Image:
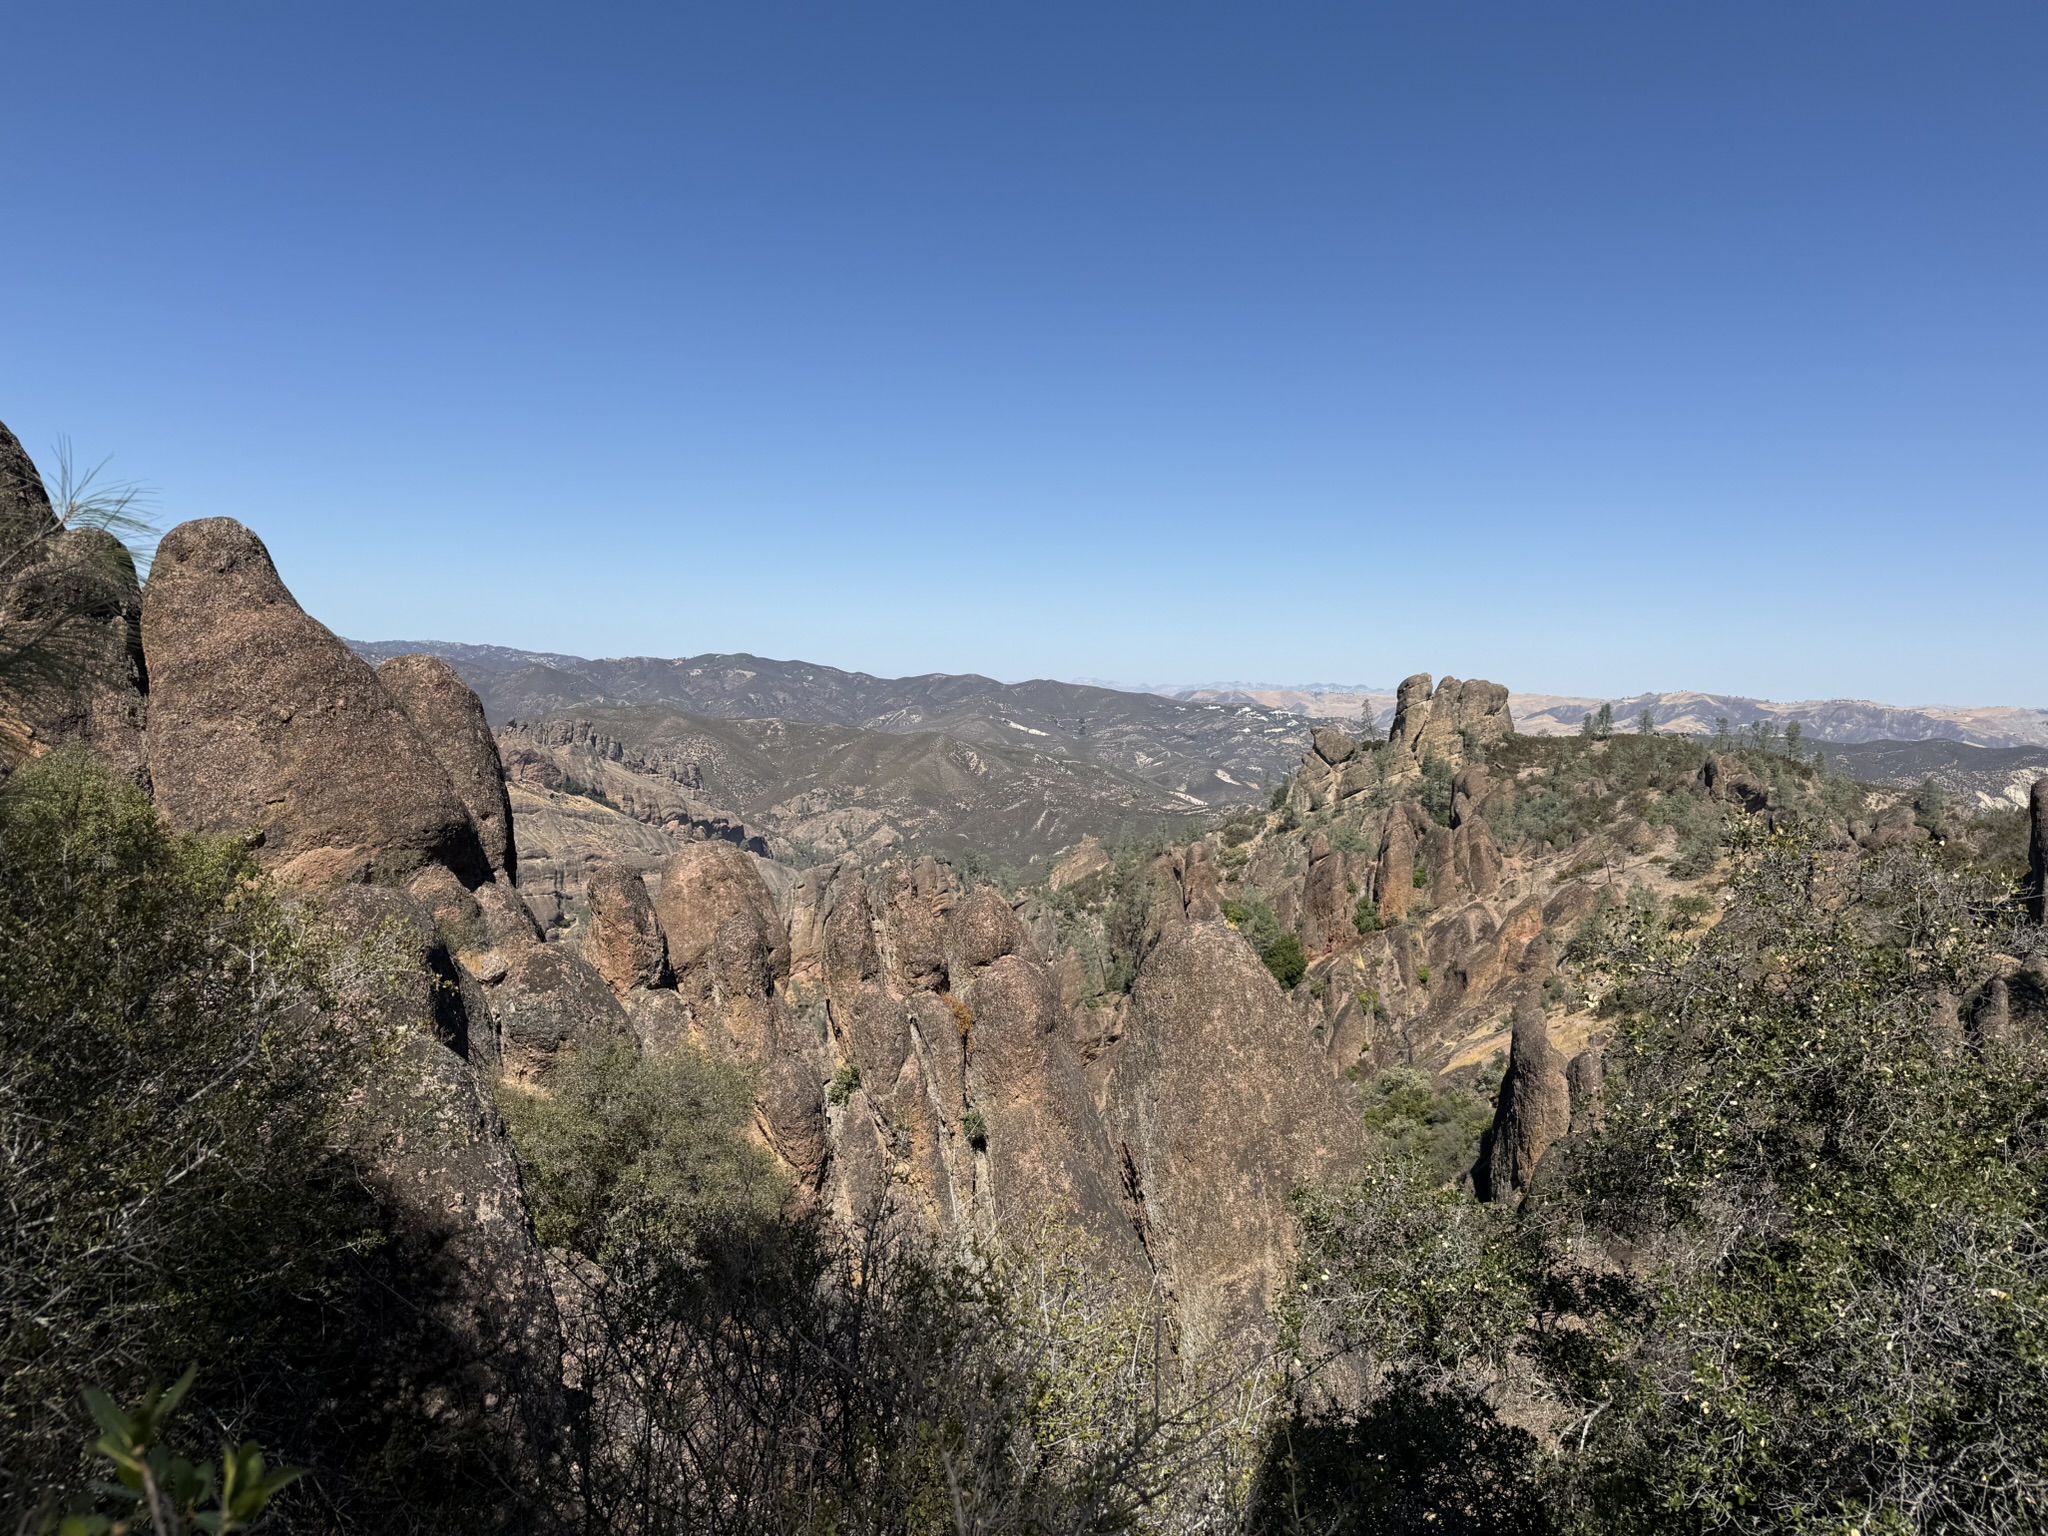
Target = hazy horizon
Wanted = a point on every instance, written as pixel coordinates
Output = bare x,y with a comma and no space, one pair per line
1388,688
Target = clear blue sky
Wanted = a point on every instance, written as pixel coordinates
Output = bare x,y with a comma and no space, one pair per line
1592,348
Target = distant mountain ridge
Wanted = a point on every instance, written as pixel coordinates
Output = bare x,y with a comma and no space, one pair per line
1214,746
1682,714
1204,753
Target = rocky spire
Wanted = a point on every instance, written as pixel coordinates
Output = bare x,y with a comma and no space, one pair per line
1535,1108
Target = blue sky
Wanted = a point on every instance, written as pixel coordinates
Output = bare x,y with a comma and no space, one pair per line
1592,348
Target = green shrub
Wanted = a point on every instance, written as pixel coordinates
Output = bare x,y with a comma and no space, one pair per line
181,1103
626,1151
975,1129
843,1083
1285,959
1438,779
1349,837
1435,1130
1280,950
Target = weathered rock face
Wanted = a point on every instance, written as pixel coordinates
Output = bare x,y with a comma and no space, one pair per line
262,724
1333,746
440,1157
551,998
622,938
1411,713
1219,1106
707,889
1045,1145
2037,850
1439,723
25,511
1400,841
1535,1109
1477,861
1729,780
1088,859
1460,712
451,718
71,597
731,957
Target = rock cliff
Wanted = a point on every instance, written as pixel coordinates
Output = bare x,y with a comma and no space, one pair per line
263,725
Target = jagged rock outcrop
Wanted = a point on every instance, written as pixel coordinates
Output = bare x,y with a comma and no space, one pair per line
71,668
622,937
451,718
1534,1109
550,998
1045,1150
1219,1107
1441,722
1332,745
262,724
730,952
1085,861
2037,851
1400,841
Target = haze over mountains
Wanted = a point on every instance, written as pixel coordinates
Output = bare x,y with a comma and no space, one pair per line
1139,754
1680,713
1201,754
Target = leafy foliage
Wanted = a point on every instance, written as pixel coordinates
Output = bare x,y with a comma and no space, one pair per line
171,1105
182,1140
1793,1280
1279,948
626,1152
169,1490
1436,1130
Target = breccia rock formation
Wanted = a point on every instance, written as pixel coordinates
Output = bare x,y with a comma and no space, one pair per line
71,668
451,718
1442,722
1535,1109
1221,1107
622,938
265,726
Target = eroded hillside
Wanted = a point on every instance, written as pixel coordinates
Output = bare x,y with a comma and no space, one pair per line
1208,754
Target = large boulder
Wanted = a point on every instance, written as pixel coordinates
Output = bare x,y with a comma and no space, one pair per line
264,725
705,887
551,998
451,718
1332,745
622,937
1220,1105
